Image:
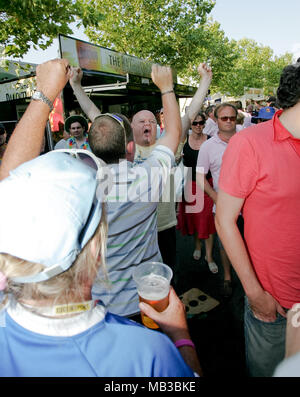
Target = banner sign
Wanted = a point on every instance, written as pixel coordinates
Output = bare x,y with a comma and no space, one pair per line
93,57
254,93
19,89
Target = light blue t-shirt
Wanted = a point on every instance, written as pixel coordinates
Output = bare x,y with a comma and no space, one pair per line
92,344
289,367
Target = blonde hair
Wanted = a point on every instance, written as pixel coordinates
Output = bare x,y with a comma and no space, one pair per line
63,286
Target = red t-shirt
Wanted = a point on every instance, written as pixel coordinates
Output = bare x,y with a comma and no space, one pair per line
262,165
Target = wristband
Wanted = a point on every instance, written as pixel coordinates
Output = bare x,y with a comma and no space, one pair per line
184,342
167,92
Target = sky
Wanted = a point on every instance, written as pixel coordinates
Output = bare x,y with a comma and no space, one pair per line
273,23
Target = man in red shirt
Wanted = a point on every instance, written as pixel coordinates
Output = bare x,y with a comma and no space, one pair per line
260,176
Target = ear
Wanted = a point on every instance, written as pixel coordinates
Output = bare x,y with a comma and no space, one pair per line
130,151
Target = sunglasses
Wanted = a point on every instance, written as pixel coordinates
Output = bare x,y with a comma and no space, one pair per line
226,118
113,116
198,122
86,157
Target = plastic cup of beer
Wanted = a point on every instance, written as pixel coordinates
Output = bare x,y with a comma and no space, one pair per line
153,285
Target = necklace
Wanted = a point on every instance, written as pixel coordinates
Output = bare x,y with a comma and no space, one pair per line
72,143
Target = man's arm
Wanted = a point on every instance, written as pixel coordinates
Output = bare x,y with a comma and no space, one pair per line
173,323
163,79
88,106
263,305
195,106
26,140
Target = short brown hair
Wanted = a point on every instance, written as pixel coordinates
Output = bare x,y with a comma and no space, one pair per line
108,139
225,105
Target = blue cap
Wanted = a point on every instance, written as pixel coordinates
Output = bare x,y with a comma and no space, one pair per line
265,113
50,212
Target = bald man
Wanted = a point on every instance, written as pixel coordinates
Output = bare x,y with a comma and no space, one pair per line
132,237
144,128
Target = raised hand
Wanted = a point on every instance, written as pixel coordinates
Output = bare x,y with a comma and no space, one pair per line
75,76
204,71
162,77
52,76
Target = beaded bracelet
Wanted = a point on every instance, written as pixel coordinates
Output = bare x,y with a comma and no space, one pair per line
167,92
184,342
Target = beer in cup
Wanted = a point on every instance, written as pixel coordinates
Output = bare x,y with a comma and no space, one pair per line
153,285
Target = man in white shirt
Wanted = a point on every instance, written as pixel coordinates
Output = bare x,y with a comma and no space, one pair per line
211,126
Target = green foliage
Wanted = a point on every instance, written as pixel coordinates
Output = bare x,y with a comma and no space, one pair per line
150,29
37,22
255,66
174,32
180,34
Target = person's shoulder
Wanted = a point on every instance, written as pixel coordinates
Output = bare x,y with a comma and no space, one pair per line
161,152
158,148
62,144
154,348
258,134
289,367
211,121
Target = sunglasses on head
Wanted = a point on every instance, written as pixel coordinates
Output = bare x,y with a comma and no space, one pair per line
118,119
112,116
226,118
86,157
198,122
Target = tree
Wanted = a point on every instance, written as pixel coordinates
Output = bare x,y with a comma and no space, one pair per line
173,32
37,22
255,66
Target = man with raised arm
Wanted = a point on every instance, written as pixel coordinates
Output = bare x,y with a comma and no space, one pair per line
132,225
51,78
144,126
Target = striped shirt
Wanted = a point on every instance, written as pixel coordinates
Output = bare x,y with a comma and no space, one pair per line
166,212
132,227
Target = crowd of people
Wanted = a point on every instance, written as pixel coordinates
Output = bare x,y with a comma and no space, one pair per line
69,247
